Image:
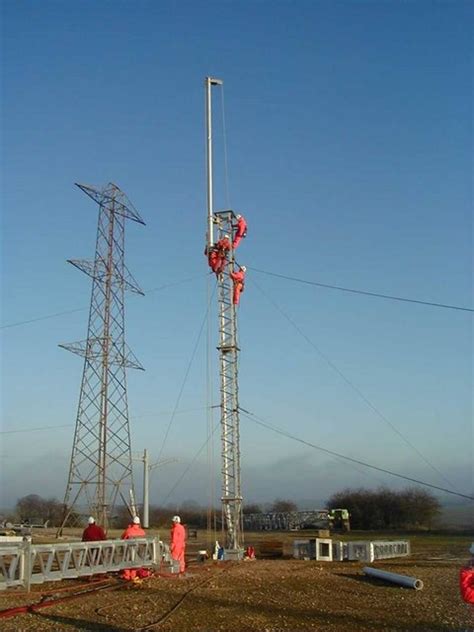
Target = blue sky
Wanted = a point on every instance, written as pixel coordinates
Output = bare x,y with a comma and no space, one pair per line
349,142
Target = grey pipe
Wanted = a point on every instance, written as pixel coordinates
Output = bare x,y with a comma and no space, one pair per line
402,580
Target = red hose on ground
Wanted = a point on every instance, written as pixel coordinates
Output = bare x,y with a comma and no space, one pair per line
11,612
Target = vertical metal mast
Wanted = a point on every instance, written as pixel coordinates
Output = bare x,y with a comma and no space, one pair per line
101,460
210,219
228,361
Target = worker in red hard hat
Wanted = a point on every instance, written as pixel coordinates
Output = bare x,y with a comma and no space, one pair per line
223,247
239,283
240,231
224,244
466,579
93,532
214,259
133,530
178,542
217,255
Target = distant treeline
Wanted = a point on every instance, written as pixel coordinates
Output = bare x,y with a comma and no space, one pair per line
369,509
34,509
384,508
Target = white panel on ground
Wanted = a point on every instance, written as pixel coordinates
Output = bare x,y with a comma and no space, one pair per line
361,551
368,551
387,549
324,549
303,549
340,551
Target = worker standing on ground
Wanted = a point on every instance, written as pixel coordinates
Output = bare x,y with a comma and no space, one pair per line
93,532
239,283
177,543
240,232
133,530
466,579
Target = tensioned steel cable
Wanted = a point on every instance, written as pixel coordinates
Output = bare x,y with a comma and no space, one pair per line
353,386
83,309
258,420
193,354
34,320
175,283
363,292
184,411
274,274
191,463
3,432
206,443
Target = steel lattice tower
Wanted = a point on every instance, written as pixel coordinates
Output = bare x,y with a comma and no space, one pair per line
101,463
229,378
228,359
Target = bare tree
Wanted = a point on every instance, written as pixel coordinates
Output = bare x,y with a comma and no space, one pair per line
280,505
35,509
252,508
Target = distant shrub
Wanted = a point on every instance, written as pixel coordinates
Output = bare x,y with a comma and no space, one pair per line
384,508
35,509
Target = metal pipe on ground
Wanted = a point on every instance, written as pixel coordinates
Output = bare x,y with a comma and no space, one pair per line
394,578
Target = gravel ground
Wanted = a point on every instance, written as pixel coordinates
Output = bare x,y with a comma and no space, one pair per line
271,595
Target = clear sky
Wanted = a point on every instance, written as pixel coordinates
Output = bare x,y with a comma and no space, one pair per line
349,144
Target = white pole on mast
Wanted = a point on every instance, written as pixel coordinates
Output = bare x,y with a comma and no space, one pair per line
210,81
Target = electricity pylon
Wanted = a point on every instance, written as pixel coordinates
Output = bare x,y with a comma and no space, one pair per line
228,360
101,460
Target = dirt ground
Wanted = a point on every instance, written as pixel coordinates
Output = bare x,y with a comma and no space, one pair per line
269,595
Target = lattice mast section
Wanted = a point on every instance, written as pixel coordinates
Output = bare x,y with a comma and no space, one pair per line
229,387
228,356
101,462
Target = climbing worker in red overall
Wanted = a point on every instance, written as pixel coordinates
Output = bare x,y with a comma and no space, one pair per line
240,232
133,530
239,281
93,532
213,258
466,579
177,542
223,247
